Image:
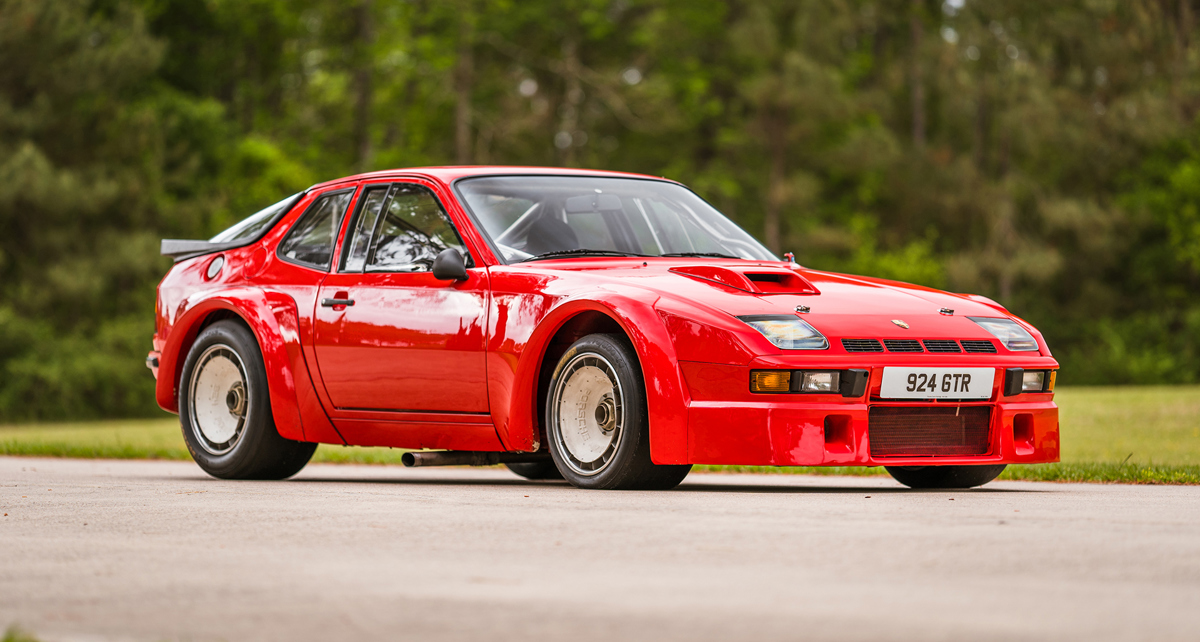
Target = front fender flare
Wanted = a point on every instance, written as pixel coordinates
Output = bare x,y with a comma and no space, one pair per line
666,400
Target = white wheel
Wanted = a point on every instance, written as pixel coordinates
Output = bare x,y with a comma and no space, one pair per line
596,426
588,412
220,403
225,409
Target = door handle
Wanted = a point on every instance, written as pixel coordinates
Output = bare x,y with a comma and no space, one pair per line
329,303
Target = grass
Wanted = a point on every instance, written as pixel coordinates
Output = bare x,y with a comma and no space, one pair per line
143,439
14,634
1140,435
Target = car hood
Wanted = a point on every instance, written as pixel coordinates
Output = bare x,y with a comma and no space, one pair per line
838,305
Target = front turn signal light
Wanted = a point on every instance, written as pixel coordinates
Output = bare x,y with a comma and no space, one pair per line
1053,376
770,381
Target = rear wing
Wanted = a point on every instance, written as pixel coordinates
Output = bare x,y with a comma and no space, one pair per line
183,249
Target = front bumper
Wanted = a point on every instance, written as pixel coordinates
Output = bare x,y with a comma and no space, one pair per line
728,425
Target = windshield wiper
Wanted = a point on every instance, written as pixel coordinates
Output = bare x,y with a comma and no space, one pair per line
712,254
579,252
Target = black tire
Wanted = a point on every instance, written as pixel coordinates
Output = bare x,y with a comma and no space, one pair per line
624,461
945,476
536,470
255,450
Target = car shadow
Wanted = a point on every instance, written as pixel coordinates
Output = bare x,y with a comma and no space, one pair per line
848,490
425,481
686,487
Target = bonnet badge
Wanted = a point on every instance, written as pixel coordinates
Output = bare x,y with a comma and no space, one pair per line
900,323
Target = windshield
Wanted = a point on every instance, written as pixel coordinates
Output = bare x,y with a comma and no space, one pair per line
531,217
255,225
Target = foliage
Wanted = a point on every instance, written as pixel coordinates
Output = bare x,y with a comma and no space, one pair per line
1046,155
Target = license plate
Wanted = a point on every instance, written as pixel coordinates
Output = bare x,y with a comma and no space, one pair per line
937,383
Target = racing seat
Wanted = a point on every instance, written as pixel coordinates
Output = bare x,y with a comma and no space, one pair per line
550,234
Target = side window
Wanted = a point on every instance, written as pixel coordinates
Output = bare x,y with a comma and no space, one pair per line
310,241
364,226
413,231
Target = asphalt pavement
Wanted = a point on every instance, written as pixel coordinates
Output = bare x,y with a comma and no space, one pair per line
125,550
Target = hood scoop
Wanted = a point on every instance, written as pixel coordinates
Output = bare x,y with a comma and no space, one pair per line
755,279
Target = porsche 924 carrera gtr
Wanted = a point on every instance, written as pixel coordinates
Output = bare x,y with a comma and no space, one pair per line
610,329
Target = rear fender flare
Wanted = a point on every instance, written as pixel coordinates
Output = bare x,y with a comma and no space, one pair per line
273,318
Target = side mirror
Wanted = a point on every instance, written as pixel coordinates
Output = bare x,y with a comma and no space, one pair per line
449,266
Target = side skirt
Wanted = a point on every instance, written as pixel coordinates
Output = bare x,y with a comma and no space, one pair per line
418,430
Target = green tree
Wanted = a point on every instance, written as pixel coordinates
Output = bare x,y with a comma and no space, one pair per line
93,154
1042,154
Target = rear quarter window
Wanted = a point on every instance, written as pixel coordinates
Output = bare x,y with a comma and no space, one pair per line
256,225
311,240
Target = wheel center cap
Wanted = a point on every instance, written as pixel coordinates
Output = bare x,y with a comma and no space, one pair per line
235,399
606,413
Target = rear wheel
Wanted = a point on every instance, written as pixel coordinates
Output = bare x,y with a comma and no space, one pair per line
945,476
596,420
225,409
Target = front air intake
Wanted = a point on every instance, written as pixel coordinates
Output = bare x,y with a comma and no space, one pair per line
913,346
862,345
903,345
961,431
942,346
984,346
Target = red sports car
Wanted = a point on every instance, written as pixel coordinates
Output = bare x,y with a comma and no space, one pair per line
610,329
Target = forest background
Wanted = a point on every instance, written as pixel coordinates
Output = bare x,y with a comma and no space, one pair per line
1045,154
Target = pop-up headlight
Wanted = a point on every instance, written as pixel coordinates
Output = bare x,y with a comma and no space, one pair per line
1012,335
787,332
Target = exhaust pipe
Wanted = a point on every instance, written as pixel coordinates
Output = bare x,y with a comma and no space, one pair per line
469,458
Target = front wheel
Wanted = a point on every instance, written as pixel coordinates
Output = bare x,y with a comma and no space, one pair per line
596,420
945,476
225,409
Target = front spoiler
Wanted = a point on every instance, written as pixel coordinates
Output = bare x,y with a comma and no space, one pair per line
794,434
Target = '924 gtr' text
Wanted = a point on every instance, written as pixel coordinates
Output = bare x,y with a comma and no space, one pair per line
950,382
937,383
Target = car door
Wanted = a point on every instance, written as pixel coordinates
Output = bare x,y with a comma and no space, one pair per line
388,336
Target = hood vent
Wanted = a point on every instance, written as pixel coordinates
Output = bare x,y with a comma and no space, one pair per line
758,279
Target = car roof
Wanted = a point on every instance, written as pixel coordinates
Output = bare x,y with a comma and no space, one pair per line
449,174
